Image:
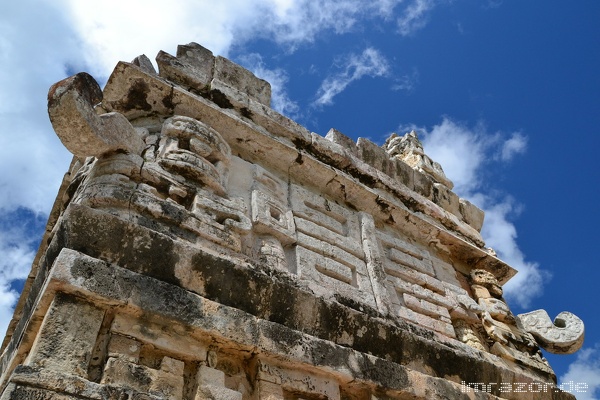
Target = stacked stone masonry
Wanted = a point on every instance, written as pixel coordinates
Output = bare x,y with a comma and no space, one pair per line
203,246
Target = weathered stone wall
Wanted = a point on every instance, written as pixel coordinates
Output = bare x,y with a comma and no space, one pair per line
203,246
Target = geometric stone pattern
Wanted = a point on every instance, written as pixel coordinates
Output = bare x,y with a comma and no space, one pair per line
203,246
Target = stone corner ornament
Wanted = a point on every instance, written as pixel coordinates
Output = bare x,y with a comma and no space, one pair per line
564,335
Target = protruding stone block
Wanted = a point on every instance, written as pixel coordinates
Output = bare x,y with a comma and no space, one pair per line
410,150
338,137
563,336
471,214
84,133
240,82
66,343
211,386
124,347
445,198
373,155
144,63
192,68
333,151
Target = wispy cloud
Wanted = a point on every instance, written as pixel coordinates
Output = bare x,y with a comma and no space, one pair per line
19,238
40,47
278,79
369,63
583,376
407,82
465,153
517,144
216,25
414,16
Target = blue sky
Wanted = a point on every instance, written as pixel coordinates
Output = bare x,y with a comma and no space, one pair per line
504,94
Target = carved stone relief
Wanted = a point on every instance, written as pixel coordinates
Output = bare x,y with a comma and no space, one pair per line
329,247
563,336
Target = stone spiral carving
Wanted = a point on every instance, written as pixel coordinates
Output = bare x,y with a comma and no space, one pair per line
563,336
71,107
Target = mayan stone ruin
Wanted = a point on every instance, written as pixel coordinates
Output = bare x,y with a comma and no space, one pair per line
203,246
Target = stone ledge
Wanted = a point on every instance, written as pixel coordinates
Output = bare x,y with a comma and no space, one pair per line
198,71
135,93
125,290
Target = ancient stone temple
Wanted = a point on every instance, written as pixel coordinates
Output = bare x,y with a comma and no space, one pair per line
203,246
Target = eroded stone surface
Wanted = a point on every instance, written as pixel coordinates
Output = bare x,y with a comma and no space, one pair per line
220,251
564,335
84,133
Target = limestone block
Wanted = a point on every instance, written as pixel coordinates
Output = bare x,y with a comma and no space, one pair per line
192,68
334,275
230,213
446,199
211,385
67,336
471,214
124,347
480,292
173,339
373,155
144,63
402,172
426,321
118,163
563,336
207,375
486,279
329,151
425,307
423,184
497,309
466,334
270,252
270,391
401,252
198,56
509,353
399,285
265,181
167,381
326,220
339,138
310,262
466,308
270,216
444,271
84,133
230,75
277,382
374,258
409,149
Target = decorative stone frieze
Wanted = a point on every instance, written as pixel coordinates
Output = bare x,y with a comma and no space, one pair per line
203,246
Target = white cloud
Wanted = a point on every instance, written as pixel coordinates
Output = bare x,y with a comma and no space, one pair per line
499,232
355,66
278,79
414,16
583,376
43,42
216,25
33,160
465,153
517,144
17,248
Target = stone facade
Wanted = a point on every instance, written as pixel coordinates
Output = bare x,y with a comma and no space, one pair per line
203,246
